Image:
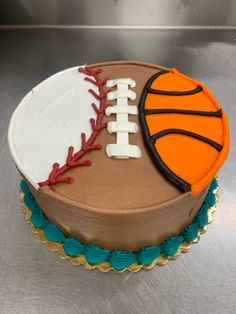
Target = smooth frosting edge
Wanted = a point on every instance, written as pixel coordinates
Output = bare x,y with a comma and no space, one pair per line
119,259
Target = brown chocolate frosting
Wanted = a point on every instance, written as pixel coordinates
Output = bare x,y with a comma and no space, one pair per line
119,204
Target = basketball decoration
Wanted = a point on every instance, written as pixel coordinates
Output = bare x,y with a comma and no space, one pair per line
184,128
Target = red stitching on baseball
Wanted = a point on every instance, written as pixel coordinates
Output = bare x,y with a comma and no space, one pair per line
73,159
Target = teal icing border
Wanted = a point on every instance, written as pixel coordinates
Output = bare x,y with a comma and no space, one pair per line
118,259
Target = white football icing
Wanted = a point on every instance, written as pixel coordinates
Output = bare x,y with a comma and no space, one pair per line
122,126
48,120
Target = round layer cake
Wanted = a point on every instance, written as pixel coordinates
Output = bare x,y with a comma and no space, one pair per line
119,155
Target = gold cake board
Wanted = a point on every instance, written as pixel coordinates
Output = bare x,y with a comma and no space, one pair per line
105,266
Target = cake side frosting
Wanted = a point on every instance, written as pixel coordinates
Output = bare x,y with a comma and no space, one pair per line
125,229
92,256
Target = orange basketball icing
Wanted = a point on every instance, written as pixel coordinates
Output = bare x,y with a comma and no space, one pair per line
185,130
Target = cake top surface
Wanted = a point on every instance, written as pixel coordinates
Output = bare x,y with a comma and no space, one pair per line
119,135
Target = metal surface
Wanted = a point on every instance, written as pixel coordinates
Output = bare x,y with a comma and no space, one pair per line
119,12
33,279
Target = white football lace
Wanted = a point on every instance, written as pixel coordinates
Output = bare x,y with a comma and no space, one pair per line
122,126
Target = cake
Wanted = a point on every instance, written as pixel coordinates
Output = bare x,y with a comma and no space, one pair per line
118,162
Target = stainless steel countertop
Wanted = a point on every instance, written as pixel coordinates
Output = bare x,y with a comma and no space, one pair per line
119,12
35,280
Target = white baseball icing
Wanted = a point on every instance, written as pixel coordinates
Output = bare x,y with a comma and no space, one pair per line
48,120
122,126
